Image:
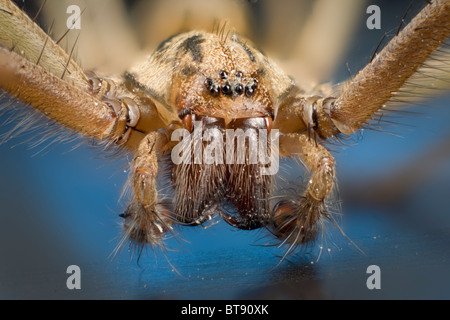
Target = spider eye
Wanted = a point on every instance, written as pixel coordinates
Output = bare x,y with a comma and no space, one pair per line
250,89
223,74
239,89
226,89
212,87
215,90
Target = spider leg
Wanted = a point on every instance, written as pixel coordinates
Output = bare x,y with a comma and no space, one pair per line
76,109
146,220
380,81
36,71
355,103
54,97
298,221
94,46
23,36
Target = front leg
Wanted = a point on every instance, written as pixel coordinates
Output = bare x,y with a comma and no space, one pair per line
395,75
146,221
298,221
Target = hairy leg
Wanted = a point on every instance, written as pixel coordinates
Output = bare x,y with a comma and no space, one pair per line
146,220
381,83
298,221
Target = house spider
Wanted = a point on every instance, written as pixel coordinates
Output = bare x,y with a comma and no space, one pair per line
221,82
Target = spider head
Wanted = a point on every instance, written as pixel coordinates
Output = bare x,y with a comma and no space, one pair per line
226,95
220,78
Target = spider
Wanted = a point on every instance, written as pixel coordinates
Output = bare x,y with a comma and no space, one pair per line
220,81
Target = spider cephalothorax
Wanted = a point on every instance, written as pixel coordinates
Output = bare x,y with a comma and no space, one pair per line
226,86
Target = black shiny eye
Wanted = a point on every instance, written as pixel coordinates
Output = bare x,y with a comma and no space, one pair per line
223,74
208,83
239,89
215,90
226,89
212,87
239,74
250,89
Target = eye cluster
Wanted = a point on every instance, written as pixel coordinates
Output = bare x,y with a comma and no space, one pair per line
231,88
